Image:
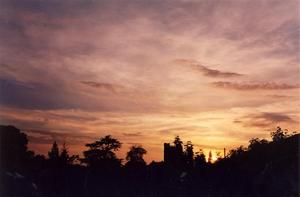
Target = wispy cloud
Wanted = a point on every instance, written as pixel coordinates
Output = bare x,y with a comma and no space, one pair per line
253,86
264,119
215,73
205,70
47,137
277,96
136,134
103,86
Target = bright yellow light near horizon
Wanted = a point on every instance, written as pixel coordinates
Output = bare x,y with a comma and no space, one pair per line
215,153
214,158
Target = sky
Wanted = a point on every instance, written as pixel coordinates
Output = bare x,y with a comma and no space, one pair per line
215,72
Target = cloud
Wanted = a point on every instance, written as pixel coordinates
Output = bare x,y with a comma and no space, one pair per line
137,134
103,86
32,95
174,131
66,95
277,96
195,65
280,42
264,119
253,86
216,73
275,117
47,137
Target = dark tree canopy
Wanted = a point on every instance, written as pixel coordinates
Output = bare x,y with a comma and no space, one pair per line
102,152
135,155
65,158
177,141
13,148
64,155
256,143
278,135
189,153
200,159
178,144
189,148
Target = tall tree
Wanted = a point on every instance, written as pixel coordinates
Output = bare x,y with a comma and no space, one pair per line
178,144
65,158
209,157
135,155
200,160
13,148
64,155
177,141
189,154
102,152
53,154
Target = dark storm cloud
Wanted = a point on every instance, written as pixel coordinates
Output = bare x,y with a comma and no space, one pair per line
253,86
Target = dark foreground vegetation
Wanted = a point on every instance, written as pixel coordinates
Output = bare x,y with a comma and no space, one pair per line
264,168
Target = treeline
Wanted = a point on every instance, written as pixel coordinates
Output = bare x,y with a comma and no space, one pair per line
264,168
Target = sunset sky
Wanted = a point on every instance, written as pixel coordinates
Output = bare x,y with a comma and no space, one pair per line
217,73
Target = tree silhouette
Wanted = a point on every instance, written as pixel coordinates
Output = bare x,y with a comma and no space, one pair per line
135,155
177,156
189,154
278,135
237,152
200,160
65,158
102,161
219,155
209,160
53,154
64,155
135,171
102,152
177,141
178,144
256,143
13,148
